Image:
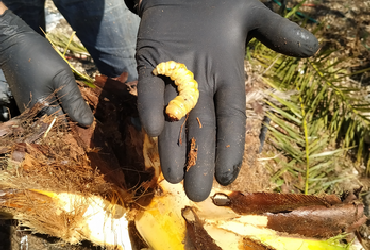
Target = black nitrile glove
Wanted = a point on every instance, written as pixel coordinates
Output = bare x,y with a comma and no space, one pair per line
34,71
209,38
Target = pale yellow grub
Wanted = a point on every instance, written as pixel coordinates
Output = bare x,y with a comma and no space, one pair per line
186,85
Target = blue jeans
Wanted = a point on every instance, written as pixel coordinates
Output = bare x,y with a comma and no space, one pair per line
106,28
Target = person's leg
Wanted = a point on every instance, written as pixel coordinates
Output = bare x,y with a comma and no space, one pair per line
31,11
108,30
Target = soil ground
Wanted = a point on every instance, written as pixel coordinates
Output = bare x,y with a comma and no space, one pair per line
346,28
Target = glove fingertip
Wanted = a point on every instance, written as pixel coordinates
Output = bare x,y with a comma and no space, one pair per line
198,195
198,191
151,104
152,126
78,110
172,177
225,176
308,45
172,162
85,119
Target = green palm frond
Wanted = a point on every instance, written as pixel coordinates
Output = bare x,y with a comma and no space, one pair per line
326,110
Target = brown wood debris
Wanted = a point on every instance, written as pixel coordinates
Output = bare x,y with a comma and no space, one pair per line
193,154
319,221
260,203
85,160
200,238
250,244
306,215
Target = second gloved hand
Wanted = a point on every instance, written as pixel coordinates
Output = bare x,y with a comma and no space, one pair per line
35,71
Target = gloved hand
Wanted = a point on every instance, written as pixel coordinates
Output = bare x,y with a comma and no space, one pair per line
209,37
35,71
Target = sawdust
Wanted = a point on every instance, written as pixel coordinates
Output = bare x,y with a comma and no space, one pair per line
193,153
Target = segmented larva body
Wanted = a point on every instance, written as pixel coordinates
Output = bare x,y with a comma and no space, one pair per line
186,85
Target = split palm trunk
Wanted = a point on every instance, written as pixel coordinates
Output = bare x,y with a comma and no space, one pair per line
104,184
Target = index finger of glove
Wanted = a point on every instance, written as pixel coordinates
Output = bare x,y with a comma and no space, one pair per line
70,98
151,101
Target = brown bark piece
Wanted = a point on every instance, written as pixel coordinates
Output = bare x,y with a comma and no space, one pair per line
199,236
318,221
250,244
260,203
114,143
193,154
305,215
200,124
